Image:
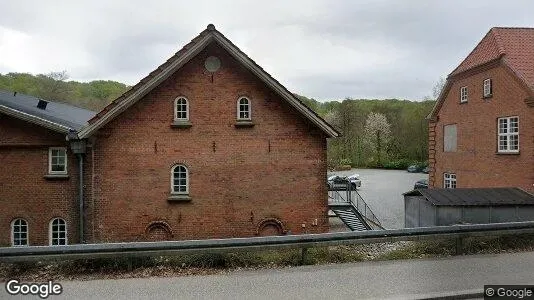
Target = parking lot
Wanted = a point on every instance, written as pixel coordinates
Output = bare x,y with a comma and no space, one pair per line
382,190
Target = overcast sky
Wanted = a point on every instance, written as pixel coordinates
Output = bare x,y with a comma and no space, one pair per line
322,49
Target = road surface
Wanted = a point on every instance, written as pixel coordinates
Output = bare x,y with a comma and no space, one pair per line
401,279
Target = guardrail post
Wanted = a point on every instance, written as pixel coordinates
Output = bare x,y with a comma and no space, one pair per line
459,245
303,255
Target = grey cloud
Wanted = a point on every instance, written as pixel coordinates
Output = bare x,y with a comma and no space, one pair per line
322,49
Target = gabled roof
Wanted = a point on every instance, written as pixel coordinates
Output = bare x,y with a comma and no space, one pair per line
475,196
513,47
210,34
59,117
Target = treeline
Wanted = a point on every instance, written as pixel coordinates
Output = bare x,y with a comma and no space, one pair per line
375,133
55,86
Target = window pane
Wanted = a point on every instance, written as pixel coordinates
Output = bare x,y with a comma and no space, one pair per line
503,126
514,142
179,180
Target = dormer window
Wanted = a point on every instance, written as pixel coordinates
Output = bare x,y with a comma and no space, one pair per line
463,94
488,89
243,109
181,109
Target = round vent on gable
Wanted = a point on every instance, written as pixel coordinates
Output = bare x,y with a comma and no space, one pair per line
212,64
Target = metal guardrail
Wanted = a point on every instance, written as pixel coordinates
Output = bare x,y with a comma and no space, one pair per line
84,251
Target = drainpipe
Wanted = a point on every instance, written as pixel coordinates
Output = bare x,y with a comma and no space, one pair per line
80,197
78,147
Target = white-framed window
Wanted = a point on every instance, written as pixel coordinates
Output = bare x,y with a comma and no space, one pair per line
58,232
181,109
488,89
449,180
19,232
57,160
463,94
508,134
180,180
244,109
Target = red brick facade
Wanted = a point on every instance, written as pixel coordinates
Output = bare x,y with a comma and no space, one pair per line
243,181
238,177
477,161
24,191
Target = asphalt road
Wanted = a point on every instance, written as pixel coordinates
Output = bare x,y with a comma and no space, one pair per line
401,279
382,191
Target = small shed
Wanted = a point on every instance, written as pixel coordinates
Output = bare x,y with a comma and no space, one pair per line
442,207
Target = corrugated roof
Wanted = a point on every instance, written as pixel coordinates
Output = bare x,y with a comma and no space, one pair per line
475,196
62,114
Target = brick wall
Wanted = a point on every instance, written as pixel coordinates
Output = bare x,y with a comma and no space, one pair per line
239,177
476,161
24,192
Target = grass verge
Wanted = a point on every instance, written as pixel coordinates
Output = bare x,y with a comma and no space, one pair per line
214,263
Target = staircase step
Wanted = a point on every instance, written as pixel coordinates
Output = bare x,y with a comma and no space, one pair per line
350,217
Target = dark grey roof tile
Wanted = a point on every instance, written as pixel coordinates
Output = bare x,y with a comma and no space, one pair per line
60,113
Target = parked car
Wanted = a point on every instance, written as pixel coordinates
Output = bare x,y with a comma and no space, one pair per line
413,169
336,182
425,170
421,184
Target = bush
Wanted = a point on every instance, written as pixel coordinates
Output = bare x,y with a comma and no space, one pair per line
404,163
399,164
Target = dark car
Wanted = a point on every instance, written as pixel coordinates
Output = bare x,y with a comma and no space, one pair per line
413,169
421,184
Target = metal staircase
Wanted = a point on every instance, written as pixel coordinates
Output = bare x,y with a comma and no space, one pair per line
350,207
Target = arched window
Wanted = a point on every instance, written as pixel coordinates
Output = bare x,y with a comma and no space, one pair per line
181,109
243,109
58,232
19,232
179,180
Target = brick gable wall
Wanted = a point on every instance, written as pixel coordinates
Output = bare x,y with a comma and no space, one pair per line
239,177
476,161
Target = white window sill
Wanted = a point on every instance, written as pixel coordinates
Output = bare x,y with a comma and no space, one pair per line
507,153
181,124
57,176
244,123
179,198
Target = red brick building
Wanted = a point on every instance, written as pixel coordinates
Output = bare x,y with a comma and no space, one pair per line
481,131
208,145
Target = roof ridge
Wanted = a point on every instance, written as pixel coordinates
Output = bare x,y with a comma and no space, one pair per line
498,41
509,27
